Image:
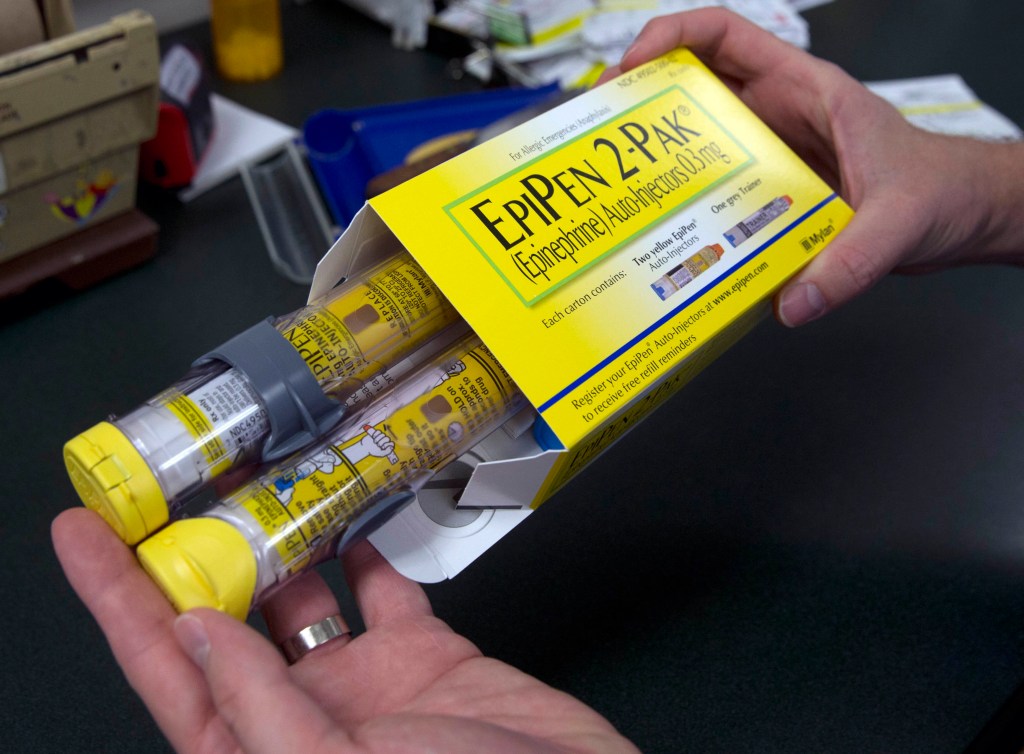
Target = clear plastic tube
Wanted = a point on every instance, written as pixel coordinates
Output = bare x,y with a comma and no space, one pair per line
139,470
239,550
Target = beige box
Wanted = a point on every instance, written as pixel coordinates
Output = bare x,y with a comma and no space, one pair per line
29,22
72,114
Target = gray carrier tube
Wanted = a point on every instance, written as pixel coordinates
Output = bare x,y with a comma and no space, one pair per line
297,409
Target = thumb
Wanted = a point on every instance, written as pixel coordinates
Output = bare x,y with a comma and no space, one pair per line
251,686
878,237
607,75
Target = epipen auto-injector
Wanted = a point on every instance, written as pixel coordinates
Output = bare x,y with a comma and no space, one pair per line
260,396
309,508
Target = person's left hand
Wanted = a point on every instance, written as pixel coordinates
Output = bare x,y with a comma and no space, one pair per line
408,684
924,201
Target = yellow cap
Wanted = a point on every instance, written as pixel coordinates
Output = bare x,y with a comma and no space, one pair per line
113,479
202,562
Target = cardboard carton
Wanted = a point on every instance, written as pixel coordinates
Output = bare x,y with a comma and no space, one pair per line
72,114
606,251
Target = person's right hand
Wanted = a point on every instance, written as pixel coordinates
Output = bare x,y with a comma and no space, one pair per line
409,683
923,201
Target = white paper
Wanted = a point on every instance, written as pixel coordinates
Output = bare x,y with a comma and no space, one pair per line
180,74
945,104
240,135
802,5
608,34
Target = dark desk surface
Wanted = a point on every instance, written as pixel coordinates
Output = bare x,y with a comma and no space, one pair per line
817,546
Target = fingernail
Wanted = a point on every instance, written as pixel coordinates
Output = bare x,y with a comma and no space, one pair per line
191,635
801,303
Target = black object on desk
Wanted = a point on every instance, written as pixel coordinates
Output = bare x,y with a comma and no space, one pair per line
818,545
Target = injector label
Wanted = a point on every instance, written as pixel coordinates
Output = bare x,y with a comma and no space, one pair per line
302,506
225,418
325,344
397,310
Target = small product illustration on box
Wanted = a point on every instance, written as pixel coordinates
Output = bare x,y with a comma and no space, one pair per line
684,273
743,230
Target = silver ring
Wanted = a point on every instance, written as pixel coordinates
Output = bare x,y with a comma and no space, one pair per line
305,641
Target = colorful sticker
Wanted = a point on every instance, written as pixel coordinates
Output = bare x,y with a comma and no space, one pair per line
88,198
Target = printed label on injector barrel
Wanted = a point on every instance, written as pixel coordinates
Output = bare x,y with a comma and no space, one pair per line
342,339
224,417
325,344
304,504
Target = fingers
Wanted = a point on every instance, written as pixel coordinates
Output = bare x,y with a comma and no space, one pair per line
382,594
307,599
874,242
251,687
607,75
136,619
727,42
851,138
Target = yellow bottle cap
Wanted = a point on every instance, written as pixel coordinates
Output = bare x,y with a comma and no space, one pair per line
113,479
202,562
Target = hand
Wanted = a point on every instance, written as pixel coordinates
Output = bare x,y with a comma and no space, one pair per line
408,684
378,444
923,201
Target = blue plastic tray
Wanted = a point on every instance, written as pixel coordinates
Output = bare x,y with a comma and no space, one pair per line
349,147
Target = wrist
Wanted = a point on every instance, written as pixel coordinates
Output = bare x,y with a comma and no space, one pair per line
992,175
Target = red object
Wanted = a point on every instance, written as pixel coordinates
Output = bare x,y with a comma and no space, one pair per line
184,121
168,159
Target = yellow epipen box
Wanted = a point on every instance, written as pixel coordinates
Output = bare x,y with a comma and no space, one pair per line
605,251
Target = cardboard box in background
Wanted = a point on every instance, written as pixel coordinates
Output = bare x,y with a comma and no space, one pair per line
72,114
28,22
58,17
